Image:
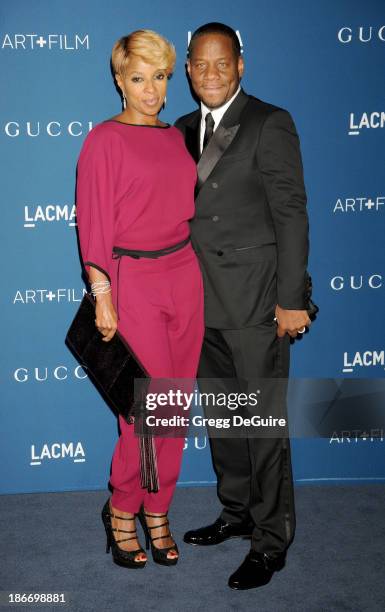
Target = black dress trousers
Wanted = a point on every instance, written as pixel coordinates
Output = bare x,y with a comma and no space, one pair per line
254,474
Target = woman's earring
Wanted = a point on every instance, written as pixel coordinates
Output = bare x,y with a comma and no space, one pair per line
164,102
124,101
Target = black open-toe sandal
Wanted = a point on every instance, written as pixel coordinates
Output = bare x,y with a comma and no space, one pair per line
159,555
122,557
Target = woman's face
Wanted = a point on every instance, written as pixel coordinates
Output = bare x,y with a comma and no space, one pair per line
144,86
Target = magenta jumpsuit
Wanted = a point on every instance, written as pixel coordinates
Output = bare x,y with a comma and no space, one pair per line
135,189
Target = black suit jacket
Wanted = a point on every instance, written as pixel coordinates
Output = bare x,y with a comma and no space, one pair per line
250,231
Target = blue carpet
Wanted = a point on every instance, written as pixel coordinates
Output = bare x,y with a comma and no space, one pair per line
55,542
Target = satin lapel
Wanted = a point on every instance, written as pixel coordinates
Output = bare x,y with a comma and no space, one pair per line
221,139
219,142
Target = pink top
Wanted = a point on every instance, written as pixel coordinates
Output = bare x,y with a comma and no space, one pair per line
135,189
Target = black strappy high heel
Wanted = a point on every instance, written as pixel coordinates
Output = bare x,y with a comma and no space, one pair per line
159,555
122,557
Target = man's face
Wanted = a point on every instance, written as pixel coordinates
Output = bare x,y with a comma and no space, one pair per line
214,68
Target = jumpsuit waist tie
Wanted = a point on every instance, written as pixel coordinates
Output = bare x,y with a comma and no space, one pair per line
136,254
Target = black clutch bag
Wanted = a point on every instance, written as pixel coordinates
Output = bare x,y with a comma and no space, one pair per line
112,366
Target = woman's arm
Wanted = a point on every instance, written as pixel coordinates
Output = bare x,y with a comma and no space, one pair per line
95,199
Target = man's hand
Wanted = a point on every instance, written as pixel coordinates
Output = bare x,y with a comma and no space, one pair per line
291,321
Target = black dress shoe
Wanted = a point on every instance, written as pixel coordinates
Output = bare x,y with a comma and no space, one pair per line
216,533
256,570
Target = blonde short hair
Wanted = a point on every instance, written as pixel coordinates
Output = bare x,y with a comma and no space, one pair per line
150,46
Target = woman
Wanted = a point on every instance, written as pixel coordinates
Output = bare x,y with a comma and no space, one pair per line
135,192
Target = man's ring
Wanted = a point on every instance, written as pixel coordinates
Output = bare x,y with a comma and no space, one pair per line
302,331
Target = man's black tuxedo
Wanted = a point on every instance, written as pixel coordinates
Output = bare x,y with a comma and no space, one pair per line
250,233
250,230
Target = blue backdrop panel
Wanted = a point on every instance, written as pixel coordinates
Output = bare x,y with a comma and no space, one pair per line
322,61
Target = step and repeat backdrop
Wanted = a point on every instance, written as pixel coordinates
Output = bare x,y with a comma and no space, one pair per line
324,62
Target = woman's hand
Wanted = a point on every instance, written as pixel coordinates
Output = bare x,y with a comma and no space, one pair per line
106,319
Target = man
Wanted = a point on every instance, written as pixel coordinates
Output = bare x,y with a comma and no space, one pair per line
251,235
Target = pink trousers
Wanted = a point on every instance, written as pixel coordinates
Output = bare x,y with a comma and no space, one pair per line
160,312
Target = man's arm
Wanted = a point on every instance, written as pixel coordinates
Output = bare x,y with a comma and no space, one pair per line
280,163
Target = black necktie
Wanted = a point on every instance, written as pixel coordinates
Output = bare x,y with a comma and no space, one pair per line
209,129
